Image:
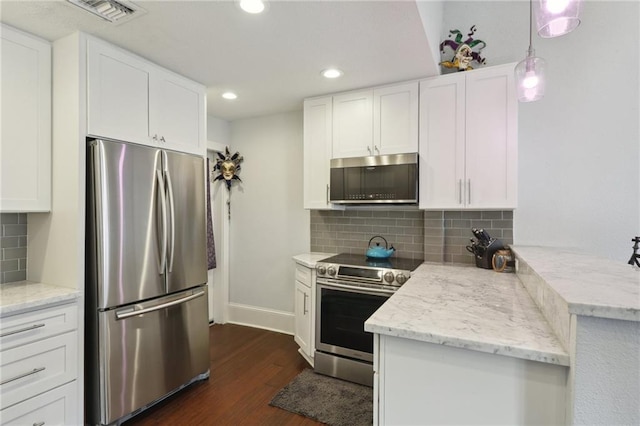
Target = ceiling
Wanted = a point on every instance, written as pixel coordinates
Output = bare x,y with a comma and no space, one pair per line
272,61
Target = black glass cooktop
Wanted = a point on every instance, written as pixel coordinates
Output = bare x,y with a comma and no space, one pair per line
361,260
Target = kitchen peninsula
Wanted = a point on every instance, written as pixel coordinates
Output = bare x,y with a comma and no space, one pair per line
556,343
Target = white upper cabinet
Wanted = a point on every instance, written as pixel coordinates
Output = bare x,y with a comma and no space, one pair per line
25,141
177,112
395,119
376,121
118,94
317,152
133,100
353,124
468,140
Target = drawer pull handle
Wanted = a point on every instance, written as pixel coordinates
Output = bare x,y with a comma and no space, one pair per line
33,327
39,424
34,371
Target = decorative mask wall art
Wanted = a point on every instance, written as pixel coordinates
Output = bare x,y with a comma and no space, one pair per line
228,166
463,51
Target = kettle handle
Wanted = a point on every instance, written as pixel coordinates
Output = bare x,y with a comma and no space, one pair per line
386,245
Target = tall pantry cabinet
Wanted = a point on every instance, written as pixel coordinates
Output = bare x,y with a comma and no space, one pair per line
88,101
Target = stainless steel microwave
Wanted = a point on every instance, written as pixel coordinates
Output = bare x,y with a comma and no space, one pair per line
390,179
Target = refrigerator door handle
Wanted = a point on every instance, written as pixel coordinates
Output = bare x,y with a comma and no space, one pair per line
172,210
128,313
163,198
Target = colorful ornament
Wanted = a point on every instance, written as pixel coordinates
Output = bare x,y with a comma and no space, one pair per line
228,165
463,50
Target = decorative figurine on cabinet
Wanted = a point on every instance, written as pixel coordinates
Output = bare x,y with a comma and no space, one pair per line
463,50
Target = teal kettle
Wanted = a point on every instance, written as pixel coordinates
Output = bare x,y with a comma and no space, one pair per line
378,252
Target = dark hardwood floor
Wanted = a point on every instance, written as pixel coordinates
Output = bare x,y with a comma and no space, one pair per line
248,367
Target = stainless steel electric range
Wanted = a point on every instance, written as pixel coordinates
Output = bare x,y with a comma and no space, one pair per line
350,288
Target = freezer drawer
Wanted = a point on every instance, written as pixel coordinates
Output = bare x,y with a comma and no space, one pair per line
150,349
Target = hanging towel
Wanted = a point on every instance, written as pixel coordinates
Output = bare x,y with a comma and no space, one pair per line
211,247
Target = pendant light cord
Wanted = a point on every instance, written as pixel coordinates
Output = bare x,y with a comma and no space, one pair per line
530,52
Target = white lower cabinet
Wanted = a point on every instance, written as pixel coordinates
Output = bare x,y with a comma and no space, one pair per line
303,317
38,367
421,383
305,311
55,407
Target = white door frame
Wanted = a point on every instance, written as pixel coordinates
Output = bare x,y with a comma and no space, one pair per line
219,277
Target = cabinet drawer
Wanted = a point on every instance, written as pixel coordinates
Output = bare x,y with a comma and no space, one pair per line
303,274
28,370
56,407
28,327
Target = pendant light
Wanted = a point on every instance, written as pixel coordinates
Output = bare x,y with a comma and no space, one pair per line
556,17
529,73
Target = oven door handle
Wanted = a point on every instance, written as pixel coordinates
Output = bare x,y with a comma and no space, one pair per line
370,290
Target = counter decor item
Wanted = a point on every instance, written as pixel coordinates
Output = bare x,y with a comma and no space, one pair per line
483,249
635,257
463,50
503,261
378,252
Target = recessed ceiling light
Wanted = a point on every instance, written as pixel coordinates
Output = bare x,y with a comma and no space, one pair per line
331,73
253,6
229,95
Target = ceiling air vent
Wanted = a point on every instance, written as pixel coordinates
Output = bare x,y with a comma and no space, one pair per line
113,11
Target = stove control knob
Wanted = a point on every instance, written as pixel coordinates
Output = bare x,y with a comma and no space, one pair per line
331,271
401,278
321,270
388,277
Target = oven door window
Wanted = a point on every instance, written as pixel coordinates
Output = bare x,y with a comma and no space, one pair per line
342,317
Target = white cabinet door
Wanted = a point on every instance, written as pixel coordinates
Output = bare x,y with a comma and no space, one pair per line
25,141
303,318
491,117
353,124
395,119
176,112
317,152
133,100
55,407
442,142
468,140
118,94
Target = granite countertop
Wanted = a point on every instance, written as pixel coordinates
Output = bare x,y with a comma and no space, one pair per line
25,295
309,259
470,308
590,285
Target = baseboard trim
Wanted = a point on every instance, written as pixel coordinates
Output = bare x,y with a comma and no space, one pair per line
267,319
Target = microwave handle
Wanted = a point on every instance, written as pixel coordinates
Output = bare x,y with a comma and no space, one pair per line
327,194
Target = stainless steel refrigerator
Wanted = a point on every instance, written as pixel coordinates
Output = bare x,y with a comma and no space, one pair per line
146,273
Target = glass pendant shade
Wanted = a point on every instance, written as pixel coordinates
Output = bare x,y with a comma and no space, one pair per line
556,17
530,78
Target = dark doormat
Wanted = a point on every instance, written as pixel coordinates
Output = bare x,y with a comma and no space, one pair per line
327,400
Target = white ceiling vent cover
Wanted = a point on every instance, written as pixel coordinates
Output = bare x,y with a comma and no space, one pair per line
116,12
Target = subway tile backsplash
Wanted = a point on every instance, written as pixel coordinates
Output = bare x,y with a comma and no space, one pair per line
13,247
435,236
349,231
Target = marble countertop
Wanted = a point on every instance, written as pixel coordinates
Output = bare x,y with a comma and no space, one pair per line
25,295
590,285
471,308
309,259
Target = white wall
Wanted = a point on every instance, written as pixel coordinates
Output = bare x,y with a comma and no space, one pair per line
605,368
579,174
268,223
